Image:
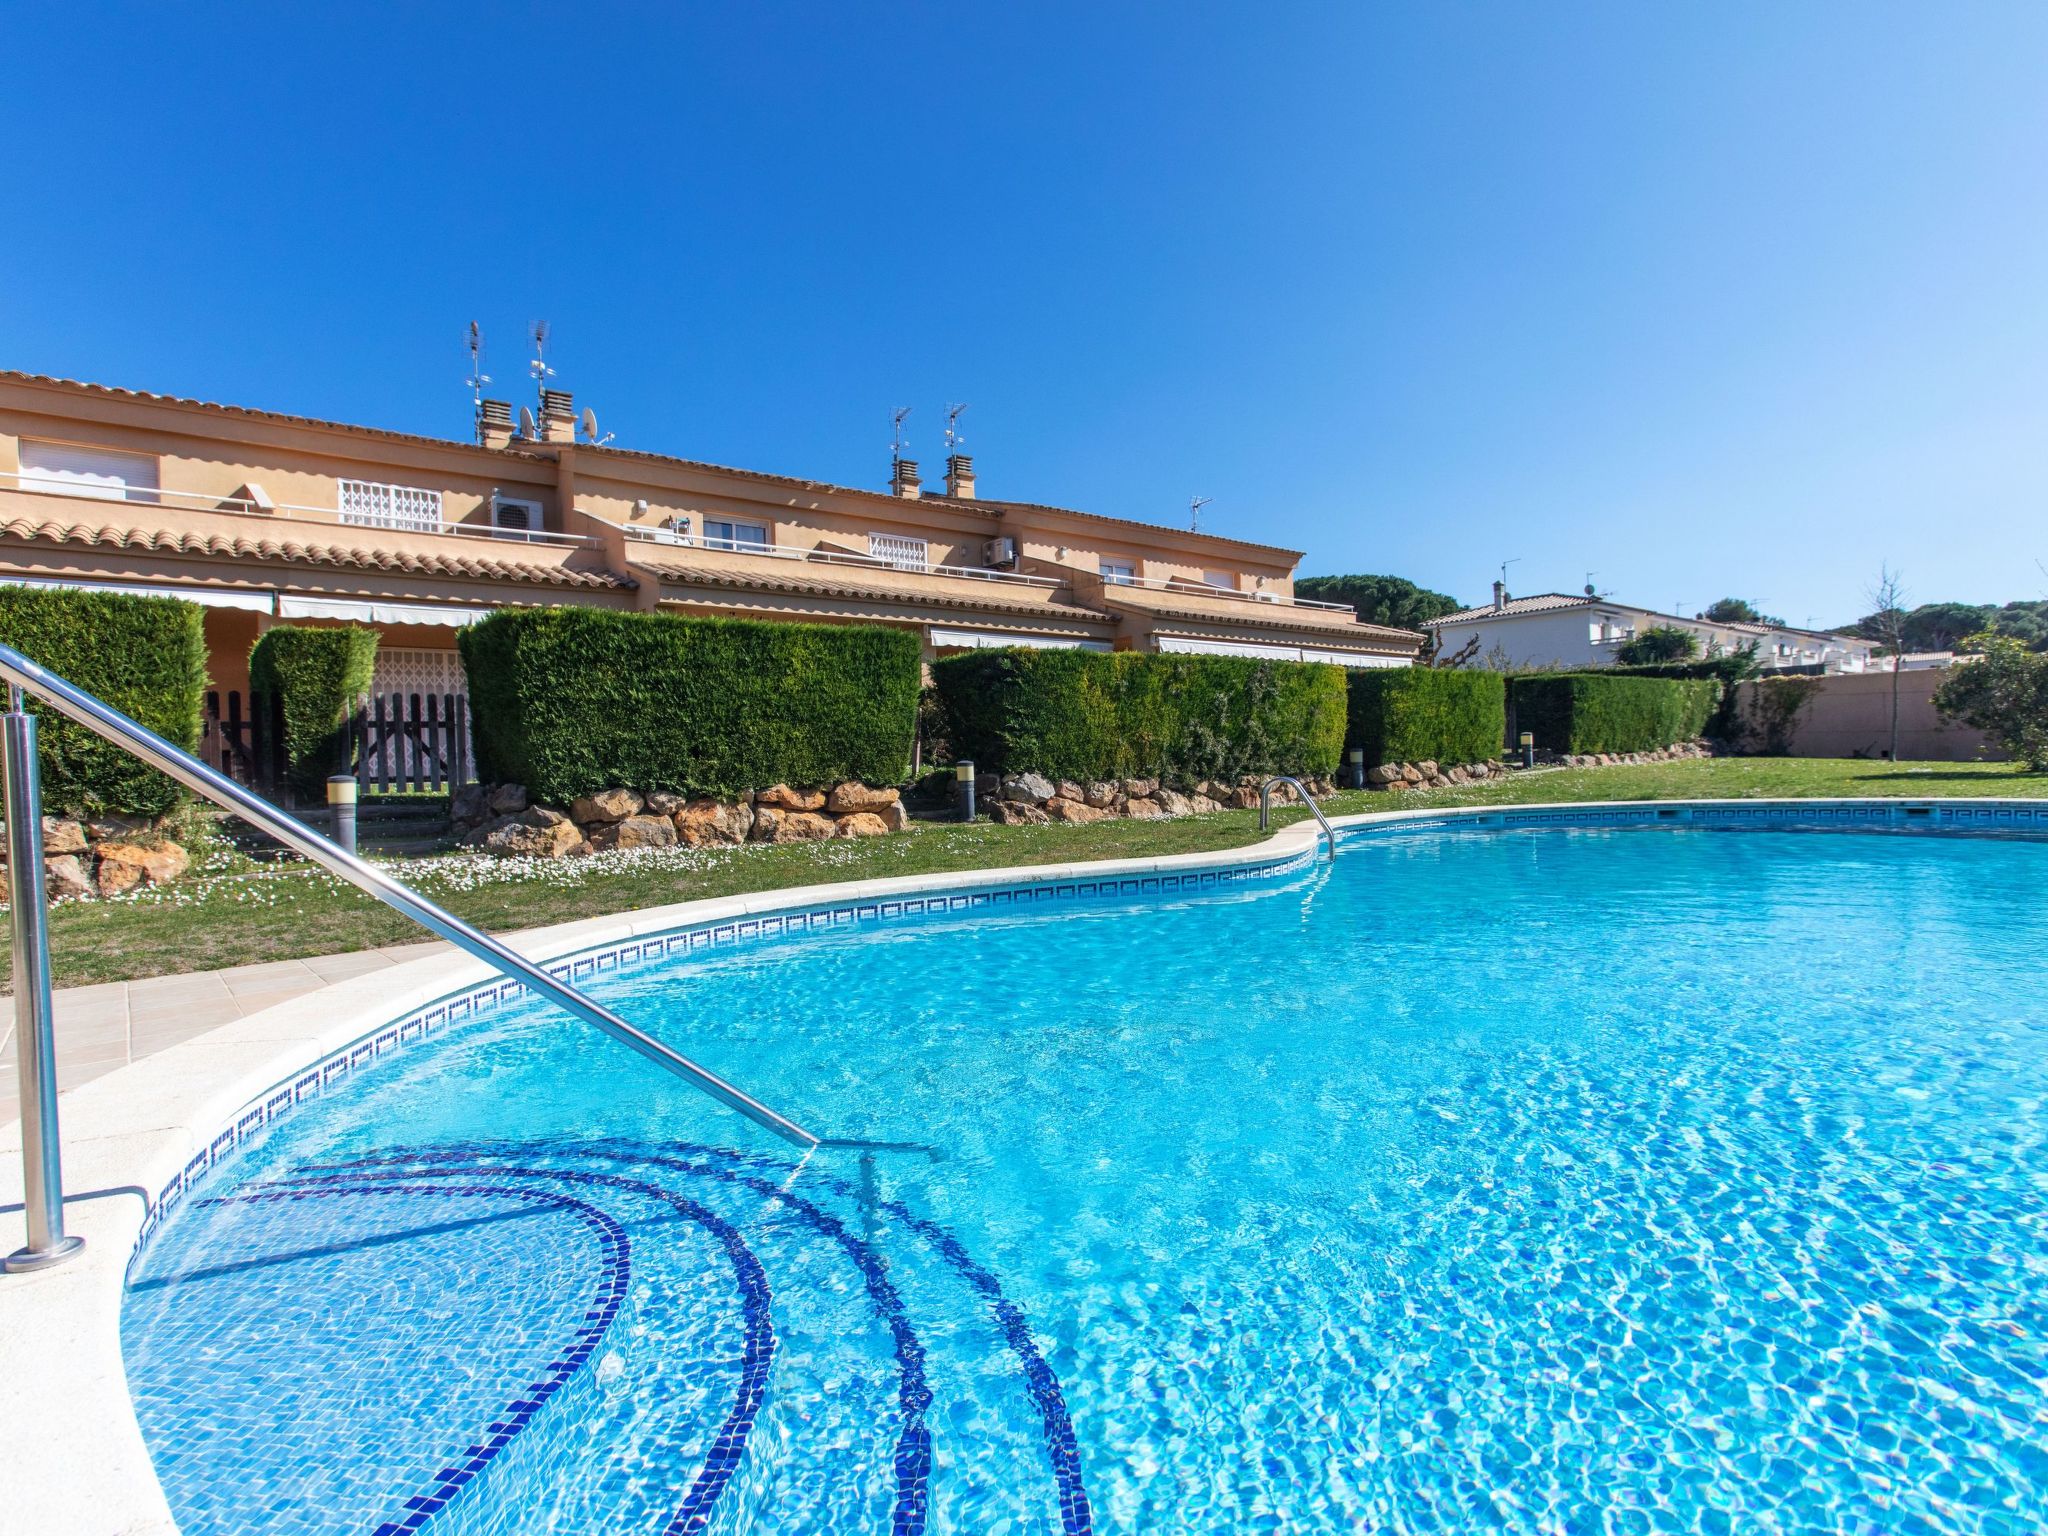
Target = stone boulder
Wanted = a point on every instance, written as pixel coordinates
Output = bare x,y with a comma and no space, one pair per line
706,823
851,796
774,825
1142,809
1174,803
62,835
1011,813
1203,804
640,831
469,805
781,797
862,824
606,806
124,866
1075,812
663,803
1141,789
1028,789
1383,774
508,800
535,833
64,877
1068,789
894,816
1099,795
1244,798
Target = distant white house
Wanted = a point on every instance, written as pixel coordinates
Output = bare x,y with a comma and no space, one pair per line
1559,630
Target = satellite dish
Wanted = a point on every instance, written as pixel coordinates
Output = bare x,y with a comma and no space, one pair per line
590,424
526,423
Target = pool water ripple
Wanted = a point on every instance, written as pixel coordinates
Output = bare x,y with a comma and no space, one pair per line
1555,1181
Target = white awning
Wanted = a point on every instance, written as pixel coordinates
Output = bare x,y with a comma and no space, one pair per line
449,614
989,640
206,597
1176,643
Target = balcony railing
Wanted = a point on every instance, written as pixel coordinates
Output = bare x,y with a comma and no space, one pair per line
1189,587
280,511
810,554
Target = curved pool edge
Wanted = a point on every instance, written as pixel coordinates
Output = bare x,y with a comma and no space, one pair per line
74,1457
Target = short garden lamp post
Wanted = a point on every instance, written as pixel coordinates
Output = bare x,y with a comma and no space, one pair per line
963,775
35,1037
1355,761
1528,749
341,799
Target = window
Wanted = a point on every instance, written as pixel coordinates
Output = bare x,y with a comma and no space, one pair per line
98,472
1221,579
1118,573
369,504
905,554
722,534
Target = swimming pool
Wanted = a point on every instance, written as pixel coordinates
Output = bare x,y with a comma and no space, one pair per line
1535,1178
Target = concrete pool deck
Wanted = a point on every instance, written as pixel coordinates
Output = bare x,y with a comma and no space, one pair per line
72,1457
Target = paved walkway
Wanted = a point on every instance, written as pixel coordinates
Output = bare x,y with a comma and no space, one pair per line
107,1026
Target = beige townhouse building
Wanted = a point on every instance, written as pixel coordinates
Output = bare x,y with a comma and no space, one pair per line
267,518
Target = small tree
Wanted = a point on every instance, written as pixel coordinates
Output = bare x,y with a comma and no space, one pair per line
1660,642
1887,626
1737,610
2003,693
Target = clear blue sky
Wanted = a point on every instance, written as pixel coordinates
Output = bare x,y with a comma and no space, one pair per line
1709,299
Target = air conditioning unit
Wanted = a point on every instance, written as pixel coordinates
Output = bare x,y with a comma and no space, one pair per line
1267,597
1000,554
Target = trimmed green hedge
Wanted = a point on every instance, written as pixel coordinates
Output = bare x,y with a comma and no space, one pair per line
568,701
1101,715
1413,714
1600,712
146,656
321,675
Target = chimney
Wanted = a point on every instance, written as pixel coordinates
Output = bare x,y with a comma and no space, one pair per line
494,423
960,477
1500,596
903,480
557,416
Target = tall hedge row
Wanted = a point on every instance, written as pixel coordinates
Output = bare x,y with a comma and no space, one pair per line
1600,712
146,656
1101,715
319,675
571,700
1413,714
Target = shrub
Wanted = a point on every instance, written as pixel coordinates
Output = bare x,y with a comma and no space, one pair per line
146,656
1660,642
1408,714
568,701
1128,714
2004,693
318,676
1599,712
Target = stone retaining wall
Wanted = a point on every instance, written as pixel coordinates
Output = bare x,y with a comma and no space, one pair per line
503,819
84,858
1030,799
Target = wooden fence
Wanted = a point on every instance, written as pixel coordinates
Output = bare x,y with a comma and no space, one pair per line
396,742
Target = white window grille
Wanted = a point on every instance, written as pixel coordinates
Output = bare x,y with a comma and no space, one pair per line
905,554
369,504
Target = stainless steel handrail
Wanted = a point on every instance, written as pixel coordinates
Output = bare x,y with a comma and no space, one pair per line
1307,799
76,704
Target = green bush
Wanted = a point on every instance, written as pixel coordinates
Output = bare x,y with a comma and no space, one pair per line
146,656
1409,714
1099,715
2004,693
1600,712
568,701
320,675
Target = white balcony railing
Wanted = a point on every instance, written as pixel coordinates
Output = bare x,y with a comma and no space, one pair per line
1188,586
810,554
411,520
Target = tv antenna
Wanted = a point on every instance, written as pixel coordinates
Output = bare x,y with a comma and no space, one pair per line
477,377
590,430
1504,569
539,366
953,435
527,429
896,444
1195,505
1591,590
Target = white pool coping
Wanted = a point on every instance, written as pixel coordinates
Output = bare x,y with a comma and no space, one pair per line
72,1459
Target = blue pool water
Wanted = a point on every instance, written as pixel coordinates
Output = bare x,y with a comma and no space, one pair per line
1546,1181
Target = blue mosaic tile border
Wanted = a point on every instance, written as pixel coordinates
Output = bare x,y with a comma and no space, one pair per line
258,1114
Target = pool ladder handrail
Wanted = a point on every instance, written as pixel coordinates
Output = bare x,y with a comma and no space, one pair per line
38,1121
1307,799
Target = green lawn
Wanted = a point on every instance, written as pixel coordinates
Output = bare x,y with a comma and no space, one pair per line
278,912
